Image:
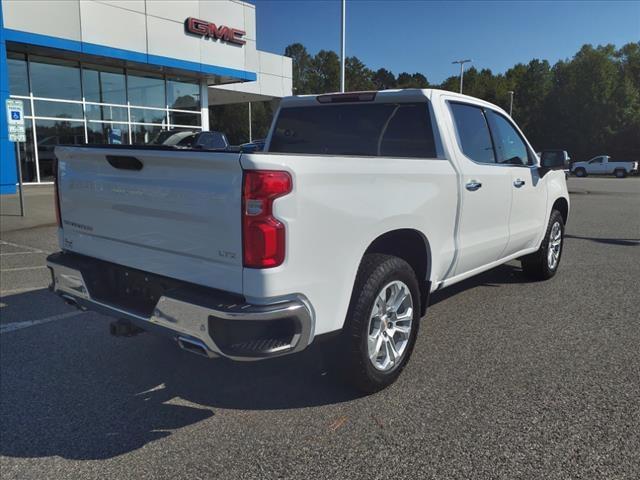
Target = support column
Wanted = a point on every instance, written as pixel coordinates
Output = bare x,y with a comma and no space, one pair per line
204,105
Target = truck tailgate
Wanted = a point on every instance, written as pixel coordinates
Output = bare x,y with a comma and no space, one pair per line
178,215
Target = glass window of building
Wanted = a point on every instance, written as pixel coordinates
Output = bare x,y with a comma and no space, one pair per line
104,84
51,133
181,118
27,155
183,94
54,78
108,133
144,134
106,112
146,90
145,115
59,117
44,108
18,74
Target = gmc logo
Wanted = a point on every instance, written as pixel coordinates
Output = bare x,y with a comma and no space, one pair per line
210,30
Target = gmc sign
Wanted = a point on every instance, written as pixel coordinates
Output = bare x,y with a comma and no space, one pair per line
210,30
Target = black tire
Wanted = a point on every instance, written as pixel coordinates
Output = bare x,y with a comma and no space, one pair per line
580,172
375,272
620,173
536,265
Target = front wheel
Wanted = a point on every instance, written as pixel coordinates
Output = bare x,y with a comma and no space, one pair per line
544,263
382,322
580,172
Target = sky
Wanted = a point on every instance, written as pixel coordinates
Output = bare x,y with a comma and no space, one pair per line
425,36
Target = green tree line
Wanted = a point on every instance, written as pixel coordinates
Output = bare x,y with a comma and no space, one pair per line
588,104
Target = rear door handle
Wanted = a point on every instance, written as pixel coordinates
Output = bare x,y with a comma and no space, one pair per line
518,183
473,185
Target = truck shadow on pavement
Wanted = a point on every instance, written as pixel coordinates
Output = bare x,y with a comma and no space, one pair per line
69,389
623,242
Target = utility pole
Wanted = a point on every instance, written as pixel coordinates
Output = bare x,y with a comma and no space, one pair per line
250,132
510,92
461,62
342,49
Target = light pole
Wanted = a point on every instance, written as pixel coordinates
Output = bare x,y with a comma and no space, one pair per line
250,132
342,49
510,92
461,62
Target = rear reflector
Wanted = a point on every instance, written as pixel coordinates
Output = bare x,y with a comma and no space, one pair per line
263,235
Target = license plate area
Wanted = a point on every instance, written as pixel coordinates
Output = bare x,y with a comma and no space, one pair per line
126,288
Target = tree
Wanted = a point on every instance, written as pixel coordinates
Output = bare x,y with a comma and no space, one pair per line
301,62
324,73
417,80
587,105
383,79
357,76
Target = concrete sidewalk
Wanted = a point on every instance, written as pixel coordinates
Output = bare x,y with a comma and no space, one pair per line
38,205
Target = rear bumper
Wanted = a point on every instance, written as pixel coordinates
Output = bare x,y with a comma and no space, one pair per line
221,324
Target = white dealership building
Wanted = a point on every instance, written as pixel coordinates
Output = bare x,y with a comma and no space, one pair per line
120,71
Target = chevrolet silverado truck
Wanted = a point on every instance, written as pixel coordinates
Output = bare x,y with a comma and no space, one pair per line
359,207
604,165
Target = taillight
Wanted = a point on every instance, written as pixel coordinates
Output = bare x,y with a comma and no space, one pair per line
263,235
56,192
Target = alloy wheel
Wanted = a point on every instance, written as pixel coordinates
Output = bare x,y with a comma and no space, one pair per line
390,324
555,246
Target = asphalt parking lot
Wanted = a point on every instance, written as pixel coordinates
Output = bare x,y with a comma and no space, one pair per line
509,379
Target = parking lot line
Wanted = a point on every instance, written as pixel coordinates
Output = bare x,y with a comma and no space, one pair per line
19,269
12,327
17,245
19,253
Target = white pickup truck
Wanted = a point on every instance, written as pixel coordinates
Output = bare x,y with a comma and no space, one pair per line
604,165
361,205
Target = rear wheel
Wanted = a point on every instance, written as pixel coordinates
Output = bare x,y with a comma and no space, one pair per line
382,322
544,263
580,172
620,173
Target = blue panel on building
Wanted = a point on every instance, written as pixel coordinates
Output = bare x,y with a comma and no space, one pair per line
8,175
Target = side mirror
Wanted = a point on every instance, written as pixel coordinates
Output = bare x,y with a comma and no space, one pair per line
554,160
248,148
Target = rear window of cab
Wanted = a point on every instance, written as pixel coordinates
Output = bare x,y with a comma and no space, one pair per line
358,129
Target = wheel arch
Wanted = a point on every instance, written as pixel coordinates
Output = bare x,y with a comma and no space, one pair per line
413,247
562,205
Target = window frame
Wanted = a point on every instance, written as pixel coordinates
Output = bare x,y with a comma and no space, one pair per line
531,160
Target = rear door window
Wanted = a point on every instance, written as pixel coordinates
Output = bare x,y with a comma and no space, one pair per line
371,129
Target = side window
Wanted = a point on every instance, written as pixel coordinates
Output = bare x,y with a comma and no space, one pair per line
597,160
510,147
473,132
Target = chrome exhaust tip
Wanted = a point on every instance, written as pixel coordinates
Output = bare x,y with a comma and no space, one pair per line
194,346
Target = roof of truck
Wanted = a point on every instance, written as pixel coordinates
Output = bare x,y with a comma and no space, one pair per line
381,96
